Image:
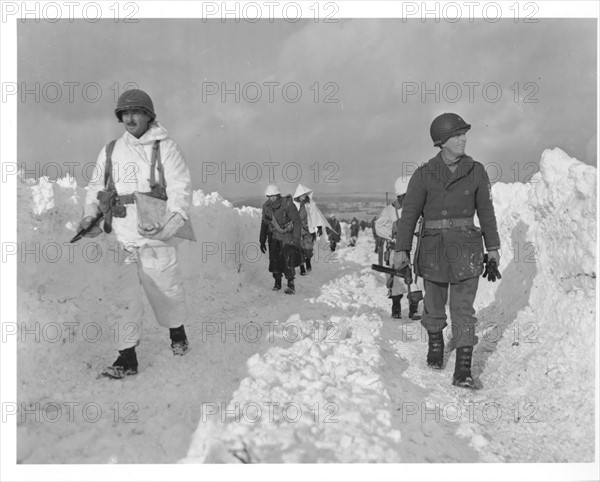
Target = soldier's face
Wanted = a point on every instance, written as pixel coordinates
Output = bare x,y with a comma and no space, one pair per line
136,122
456,145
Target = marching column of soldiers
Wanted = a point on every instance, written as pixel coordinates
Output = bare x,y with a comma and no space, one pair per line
146,220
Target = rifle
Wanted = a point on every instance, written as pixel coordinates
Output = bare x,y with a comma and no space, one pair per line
84,231
404,272
419,236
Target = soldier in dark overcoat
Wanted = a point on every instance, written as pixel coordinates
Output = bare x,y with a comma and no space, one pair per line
281,227
448,191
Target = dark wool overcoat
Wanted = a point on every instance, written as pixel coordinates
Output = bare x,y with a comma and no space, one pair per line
436,193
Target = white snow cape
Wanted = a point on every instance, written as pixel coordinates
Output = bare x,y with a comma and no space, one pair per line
315,217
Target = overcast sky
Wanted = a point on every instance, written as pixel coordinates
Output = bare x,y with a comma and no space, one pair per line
524,87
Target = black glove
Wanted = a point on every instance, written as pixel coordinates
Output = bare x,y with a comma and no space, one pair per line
491,269
263,248
319,231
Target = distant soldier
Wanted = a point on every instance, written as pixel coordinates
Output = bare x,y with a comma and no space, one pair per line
386,227
313,221
281,227
447,191
334,232
354,229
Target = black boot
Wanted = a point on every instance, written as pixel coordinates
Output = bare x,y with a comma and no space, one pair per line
462,371
277,285
435,354
413,311
302,270
291,289
396,308
126,364
179,341
308,265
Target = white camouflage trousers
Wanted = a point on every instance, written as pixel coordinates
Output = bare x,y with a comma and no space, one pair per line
133,271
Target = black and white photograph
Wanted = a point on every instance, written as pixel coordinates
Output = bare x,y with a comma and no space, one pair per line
340,240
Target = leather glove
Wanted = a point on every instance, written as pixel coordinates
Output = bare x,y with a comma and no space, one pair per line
263,248
107,199
163,231
85,223
491,268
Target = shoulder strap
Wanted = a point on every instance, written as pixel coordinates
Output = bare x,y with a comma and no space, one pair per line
157,163
108,179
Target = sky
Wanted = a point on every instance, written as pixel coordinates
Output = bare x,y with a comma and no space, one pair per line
341,107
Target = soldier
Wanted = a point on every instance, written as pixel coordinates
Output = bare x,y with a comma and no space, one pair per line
312,224
447,191
354,229
334,233
143,257
386,228
281,227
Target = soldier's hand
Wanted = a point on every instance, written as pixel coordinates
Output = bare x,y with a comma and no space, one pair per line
494,254
491,268
401,259
106,200
162,231
85,223
263,248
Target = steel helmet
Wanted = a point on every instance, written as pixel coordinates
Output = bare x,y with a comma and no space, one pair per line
135,99
445,126
401,185
272,190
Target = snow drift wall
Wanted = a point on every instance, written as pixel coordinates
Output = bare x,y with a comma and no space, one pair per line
545,308
63,334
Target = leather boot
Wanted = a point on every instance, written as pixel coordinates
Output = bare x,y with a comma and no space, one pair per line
291,289
277,285
435,353
413,311
308,265
462,371
396,308
126,364
302,270
179,341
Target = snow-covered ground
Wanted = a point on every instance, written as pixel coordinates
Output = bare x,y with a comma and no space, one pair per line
322,376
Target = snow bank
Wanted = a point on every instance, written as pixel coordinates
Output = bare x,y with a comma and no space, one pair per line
545,306
64,337
320,400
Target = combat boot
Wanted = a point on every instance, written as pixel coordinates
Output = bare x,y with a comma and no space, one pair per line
277,285
126,364
396,308
179,341
435,353
462,371
291,289
308,265
302,270
413,311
